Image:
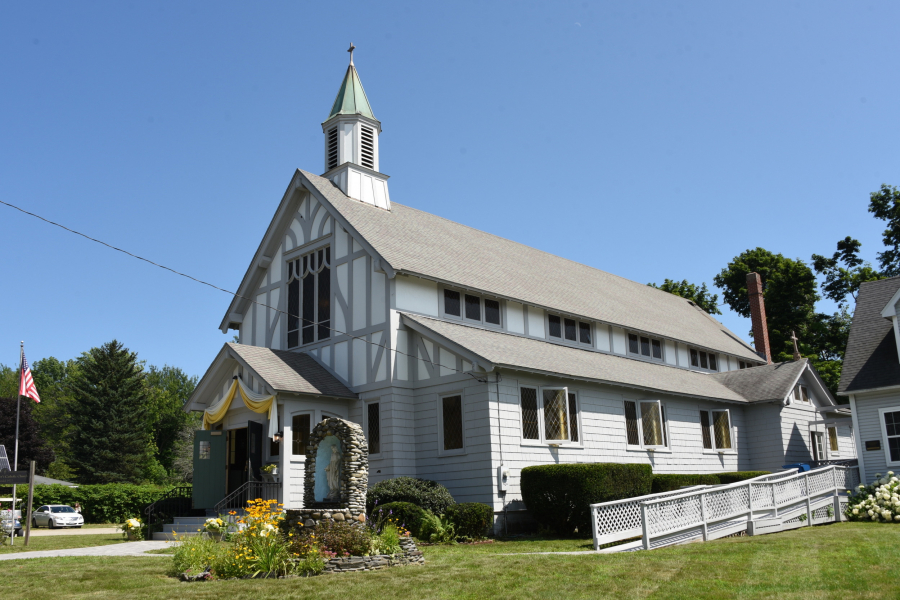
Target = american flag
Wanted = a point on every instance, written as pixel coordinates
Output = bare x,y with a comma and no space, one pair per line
26,382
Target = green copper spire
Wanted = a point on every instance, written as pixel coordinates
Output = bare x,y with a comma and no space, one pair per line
351,98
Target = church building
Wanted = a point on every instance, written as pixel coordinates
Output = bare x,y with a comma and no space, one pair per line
466,357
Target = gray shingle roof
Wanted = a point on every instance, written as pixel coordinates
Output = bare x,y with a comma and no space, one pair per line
769,382
504,349
417,242
871,357
292,372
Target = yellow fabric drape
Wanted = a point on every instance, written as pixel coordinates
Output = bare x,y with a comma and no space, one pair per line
258,403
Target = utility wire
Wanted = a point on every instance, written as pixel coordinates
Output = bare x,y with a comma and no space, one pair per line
215,287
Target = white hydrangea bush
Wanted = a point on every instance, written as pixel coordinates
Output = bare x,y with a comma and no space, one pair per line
879,502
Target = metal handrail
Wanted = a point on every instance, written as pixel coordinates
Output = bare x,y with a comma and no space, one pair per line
180,498
249,491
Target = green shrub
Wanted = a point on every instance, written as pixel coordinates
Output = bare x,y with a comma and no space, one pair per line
344,538
426,494
670,482
403,514
740,476
471,519
194,553
437,530
102,503
559,496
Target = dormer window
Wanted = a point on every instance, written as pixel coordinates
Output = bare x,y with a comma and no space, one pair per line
648,347
471,307
309,298
701,359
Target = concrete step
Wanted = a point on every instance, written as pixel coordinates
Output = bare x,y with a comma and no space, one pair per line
190,520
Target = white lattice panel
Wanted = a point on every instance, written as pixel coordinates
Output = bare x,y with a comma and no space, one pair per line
618,518
673,514
762,495
728,502
821,482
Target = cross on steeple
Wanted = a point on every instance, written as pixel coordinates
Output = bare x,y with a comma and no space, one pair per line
350,50
796,351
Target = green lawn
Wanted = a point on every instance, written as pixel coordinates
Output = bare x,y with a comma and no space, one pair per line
58,542
850,560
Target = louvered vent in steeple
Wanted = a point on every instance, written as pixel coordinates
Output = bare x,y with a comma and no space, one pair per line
368,147
332,148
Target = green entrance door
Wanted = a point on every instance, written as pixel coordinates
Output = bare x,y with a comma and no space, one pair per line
209,468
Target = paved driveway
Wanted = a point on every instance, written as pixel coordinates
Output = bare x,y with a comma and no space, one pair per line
124,549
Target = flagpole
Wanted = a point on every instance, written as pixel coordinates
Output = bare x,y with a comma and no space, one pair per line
12,521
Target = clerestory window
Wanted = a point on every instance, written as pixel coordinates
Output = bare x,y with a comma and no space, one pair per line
568,329
471,307
648,347
701,359
309,298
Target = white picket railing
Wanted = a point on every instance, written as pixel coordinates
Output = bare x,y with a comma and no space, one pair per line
710,512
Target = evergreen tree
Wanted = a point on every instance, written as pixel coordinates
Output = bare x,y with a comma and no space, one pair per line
32,445
109,418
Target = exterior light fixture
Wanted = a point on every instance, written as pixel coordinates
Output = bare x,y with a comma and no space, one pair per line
278,437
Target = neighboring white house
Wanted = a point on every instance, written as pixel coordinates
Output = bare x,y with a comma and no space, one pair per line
465,355
871,377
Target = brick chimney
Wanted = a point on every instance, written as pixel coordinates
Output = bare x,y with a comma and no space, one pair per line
758,316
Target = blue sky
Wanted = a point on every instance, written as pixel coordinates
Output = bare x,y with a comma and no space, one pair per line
650,140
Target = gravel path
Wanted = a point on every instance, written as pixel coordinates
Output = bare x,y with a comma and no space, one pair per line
124,549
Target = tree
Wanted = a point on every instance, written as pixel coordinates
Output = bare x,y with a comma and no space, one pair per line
52,378
789,287
32,445
885,205
698,295
168,389
109,436
842,281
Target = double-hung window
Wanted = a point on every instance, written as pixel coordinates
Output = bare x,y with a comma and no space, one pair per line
890,429
648,347
715,428
568,329
309,298
701,359
549,415
646,425
471,307
300,430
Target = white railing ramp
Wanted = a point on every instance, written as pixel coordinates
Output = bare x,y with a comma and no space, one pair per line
764,504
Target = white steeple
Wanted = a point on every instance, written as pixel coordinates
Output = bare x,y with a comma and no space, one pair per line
351,143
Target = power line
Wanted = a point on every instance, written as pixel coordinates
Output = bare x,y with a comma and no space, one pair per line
215,287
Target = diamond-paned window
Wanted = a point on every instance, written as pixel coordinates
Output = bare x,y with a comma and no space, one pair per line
452,422
631,423
573,417
373,415
652,424
704,428
833,438
722,429
300,430
530,429
451,303
556,422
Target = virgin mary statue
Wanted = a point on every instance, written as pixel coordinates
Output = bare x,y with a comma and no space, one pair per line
333,474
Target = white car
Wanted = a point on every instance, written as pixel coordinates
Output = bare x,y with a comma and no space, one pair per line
56,515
